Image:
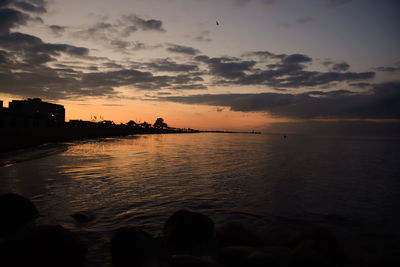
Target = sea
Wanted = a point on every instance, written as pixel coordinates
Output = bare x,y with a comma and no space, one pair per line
140,180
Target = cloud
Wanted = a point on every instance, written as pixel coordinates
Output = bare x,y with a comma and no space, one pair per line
29,80
142,24
33,6
123,28
23,71
284,71
388,69
226,67
34,51
10,18
304,20
112,65
26,45
383,101
264,55
57,30
336,3
189,87
114,34
341,66
336,66
361,85
203,37
182,49
170,66
242,3
295,59
98,31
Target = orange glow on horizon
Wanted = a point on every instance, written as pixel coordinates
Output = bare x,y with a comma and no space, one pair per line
175,115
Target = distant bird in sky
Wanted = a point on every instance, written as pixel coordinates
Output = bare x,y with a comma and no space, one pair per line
216,22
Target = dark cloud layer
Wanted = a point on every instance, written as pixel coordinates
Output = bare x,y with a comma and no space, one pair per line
383,101
388,69
226,67
34,6
284,71
34,51
170,66
174,48
340,67
146,25
10,18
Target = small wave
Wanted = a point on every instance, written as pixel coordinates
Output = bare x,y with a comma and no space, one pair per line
10,158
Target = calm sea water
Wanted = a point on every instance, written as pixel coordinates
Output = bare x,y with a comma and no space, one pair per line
141,180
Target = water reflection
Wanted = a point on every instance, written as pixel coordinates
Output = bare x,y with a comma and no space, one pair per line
133,179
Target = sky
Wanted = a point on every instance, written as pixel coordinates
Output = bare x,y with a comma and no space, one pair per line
206,64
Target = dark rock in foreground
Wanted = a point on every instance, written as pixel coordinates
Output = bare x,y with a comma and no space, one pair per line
184,260
187,232
135,247
236,234
46,246
189,239
15,212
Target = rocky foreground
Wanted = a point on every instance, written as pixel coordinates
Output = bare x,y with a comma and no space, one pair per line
187,239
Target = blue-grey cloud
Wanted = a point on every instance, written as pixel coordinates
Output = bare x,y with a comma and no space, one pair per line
170,66
388,69
285,71
340,67
226,67
10,18
383,101
25,44
189,87
182,49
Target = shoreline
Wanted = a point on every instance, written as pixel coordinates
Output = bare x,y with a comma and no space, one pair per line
16,139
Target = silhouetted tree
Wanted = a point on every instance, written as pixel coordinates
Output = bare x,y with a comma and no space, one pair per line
131,123
145,125
106,123
160,124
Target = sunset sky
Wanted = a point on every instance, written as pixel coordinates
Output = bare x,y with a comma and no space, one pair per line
267,62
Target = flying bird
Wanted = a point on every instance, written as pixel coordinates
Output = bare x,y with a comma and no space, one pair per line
217,22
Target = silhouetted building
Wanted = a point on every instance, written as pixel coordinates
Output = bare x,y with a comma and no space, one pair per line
31,113
50,114
1,104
